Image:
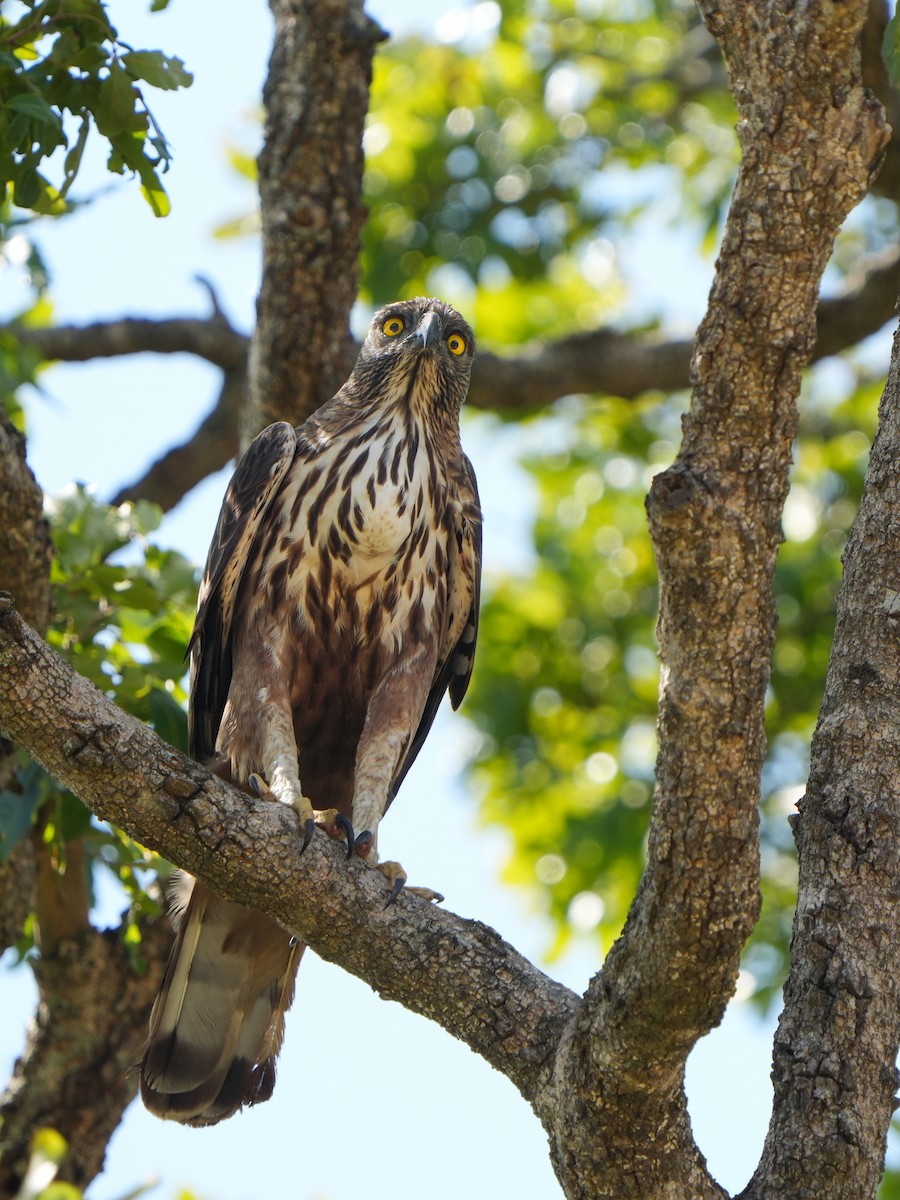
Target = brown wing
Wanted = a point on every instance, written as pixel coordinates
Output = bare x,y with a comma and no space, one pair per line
462,659
464,589
253,487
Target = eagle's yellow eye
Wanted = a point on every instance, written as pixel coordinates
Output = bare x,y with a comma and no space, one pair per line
456,344
392,327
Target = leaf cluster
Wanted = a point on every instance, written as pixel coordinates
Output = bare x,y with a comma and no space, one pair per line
565,688
509,164
124,610
63,71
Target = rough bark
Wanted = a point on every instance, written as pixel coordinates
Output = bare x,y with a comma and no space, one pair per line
310,184
836,1045
25,555
212,338
25,547
875,76
809,150
17,878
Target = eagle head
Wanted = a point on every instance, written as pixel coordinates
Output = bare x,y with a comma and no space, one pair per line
421,349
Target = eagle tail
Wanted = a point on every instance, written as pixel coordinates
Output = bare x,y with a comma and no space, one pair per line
218,1022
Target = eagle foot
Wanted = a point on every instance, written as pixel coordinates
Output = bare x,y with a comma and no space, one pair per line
329,820
392,871
396,877
336,825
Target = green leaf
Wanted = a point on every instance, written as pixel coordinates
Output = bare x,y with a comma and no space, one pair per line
114,110
49,1145
34,107
61,1191
168,718
890,49
73,818
48,201
16,817
27,188
157,199
157,69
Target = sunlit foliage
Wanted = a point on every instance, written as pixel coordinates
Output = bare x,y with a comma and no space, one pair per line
64,71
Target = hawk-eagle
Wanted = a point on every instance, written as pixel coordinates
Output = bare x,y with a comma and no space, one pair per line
338,605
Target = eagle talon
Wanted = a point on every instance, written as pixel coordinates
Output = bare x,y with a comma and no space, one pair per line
362,844
308,830
258,785
395,890
396,877
425,893
344,823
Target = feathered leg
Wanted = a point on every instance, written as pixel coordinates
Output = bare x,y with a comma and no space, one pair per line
273,750
393,715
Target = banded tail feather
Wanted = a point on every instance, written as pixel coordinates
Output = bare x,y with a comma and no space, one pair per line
218,1021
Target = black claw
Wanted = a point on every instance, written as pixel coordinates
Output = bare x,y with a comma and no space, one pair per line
362,839
257,785
343,822
308,829
395,890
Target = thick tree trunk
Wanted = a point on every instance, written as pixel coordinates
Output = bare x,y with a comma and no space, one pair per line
310,185
809,151
836,1045
75,1073
25,555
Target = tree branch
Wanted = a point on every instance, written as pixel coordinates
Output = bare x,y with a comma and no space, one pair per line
212,338
77,1072
600,361
836,1046
808,157
458,973
310,186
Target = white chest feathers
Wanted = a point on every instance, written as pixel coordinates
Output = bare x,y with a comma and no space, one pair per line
366,527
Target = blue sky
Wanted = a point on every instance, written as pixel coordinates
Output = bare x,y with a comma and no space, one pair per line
370,1098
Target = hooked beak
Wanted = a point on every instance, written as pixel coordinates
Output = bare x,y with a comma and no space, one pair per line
429,328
